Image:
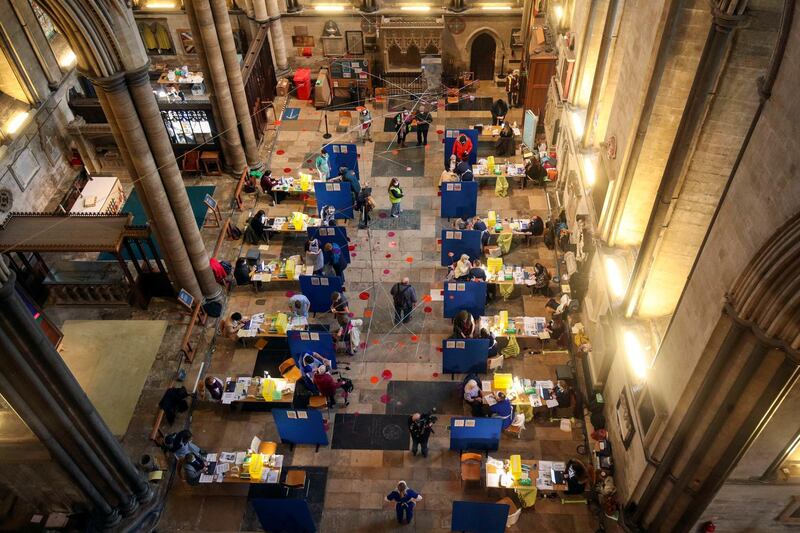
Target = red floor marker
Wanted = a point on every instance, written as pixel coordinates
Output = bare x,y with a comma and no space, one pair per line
289,294
436,374
427,298
367,314
376,341
374,379
364,295
382,215
391,234
428,309
353,254
351,315
351,247
386,374
287,170
438,348
384,398
409,259
280,152
439,131
308,161
277,122
362,345
395,152
386,270
401,344
414,338
388,256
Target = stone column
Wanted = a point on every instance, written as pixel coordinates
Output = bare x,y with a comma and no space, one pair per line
43,391
603,55
229,134
118,106
366,6
278,42
293,6
171,178
458,5
233,69
260,11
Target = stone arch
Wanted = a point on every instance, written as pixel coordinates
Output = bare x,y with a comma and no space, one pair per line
499,49
104,36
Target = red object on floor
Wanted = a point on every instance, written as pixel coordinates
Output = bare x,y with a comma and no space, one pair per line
280,152
307,51
386,374
302,83
364,296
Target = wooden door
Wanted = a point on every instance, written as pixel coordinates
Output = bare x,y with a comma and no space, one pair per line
481,60
540,70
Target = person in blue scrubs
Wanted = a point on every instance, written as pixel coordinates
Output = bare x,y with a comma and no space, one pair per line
405,499
503,409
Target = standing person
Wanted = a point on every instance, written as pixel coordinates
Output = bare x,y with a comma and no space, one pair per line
322,165
499,110
505,144
355,185
395,196
183,445
335,258
420,427
299,306
340,308
366,204
405,298
512,87
464,172
405,499
462,148
365,120
314,257
424,119
241,272
402,125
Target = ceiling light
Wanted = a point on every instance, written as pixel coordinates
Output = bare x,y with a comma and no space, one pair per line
329,7
419,8
496,7
160,4
589,173
16,122
635,353
559,12
68,59
577,123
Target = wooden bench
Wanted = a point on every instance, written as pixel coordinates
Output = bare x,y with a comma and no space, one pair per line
198,316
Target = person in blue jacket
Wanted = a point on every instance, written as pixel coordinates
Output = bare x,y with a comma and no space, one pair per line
503,409
335,258
405,499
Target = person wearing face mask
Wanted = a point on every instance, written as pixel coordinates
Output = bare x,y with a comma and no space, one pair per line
462,148
365,122
424,119
402,125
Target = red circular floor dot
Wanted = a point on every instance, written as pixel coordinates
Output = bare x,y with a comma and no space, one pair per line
436,374
362,345
374,379
386,374
289,294
280,152
395,152
351,315
376,341
367,314
409,259
427,298
382,215
386,270
351,247
353,254
277,122
364,295
428,309
439,349
391,234
439,131
385,398
400,344
287,170
388,256
414,338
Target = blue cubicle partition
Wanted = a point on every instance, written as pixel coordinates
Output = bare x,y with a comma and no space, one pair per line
342,155
318,290
301,342
300,426
464,295
479,517
284,515
483,435
337,194
465,356
459,199
450,137
332,234
460,242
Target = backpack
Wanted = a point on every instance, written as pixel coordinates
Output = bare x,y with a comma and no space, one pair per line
213,309
347,385
171,443
398,296
227,267
234,232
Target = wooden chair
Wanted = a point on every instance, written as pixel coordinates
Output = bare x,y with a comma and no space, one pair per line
295,479
517,426
190,165
289,371
318,402
471,465
210,162
495,362
513,511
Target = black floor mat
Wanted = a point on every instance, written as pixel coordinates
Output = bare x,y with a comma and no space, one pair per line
271,356
408,397
408,219
370,432
316,478
388,164
480,103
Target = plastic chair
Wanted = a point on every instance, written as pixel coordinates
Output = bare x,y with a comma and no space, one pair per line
513,512
471,465
289,371
295,479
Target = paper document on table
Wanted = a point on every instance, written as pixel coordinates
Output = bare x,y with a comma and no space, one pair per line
206,478
544,335
489,399
227,457
211,457
228,397
240,457
551,403
222,468
535,400
298,322
566,425
545,384
486,385
272,476
492,480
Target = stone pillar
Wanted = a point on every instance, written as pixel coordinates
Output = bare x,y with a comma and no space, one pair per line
278,41
366,6
458,5
603,55
171,178
234,71
260,11
229,134
118,107
293,6
43,391
704,88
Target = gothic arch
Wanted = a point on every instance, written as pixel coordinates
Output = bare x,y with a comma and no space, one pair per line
499,49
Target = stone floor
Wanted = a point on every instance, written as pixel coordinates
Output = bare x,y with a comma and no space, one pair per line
356,480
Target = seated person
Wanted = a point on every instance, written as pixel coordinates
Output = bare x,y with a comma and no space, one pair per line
576,476
461,224
535,172
229,328
557,307
311,361
460,270
562,394
477,273
486,334
503,409
268,182
328,215
541,283
463,325
214,387
473,397
193,468
327,386
464,171
258,225
536,226
479,225
556,328
241,272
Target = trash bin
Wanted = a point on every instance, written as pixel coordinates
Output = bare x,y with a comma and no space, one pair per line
302,83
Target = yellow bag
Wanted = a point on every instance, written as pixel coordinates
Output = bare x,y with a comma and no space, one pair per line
297,220
256,466
501,186
506,289
268,390
503,320
515,463
491,219
305,181
494,264
511,349
504,242
281,323
490,164
289,269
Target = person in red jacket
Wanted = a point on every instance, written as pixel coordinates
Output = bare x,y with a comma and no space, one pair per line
219,271
326,385
462,147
